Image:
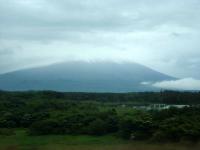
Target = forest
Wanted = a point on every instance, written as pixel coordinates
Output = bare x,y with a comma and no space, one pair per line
54,113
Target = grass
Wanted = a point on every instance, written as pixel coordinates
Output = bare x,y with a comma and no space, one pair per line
21,141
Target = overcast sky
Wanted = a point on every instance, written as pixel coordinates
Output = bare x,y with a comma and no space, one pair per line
161,34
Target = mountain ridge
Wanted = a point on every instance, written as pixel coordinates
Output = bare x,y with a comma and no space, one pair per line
81,76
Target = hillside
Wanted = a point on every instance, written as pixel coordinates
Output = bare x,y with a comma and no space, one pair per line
83,77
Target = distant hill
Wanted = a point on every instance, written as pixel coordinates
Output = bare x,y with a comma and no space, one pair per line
81,76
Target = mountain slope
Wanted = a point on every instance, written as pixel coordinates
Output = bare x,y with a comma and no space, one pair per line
82,76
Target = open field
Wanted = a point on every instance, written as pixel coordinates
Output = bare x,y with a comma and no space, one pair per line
21,141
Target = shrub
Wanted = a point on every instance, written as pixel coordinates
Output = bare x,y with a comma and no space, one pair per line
97,127
6,131
45,127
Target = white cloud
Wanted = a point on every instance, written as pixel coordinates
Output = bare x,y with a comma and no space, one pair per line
145,83
181,84
163,35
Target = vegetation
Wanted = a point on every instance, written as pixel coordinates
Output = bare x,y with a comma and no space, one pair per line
167,97
22,141
51,114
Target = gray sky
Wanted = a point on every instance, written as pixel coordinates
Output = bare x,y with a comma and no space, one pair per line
161,34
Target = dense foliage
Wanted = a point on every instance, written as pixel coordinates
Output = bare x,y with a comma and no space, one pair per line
167,97
45,113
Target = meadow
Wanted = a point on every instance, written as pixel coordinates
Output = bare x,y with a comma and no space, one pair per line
21,141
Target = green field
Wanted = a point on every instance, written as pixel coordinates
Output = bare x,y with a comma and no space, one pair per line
21,141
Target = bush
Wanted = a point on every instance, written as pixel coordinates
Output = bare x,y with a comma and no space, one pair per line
45,127
178,128
125,128
138,126
6,131
97,127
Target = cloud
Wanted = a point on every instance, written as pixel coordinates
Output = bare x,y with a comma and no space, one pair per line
145,83
181,84
163,35
5,51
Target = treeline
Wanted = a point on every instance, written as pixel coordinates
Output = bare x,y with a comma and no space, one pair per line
167,97
43,113
171,125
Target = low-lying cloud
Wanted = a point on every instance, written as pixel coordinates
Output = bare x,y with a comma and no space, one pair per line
180,84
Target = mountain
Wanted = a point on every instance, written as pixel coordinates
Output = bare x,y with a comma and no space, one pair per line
81,76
